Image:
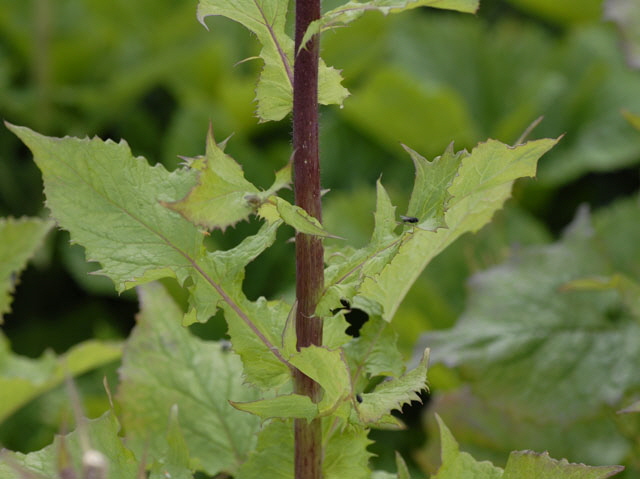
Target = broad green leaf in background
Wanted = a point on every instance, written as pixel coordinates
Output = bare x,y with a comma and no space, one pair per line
541,348
520,465
345,452
68,452
19,240
626,14
23,379
164,366
530,465
480,187
350,11
266,19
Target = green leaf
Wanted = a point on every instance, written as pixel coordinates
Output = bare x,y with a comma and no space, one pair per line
296,217
457,464
635,407
482,184
23,379
541,347
19,240
222,196
351,11
174,461
69,455
375,353
628,288
530,465
110,203
266,19
283,407
163,366
403,470
327,368
345,453
393,394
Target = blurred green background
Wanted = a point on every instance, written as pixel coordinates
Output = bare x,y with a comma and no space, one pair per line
147,72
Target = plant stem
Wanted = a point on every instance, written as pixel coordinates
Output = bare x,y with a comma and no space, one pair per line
309,250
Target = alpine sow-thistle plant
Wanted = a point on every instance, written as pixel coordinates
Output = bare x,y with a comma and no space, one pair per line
189,405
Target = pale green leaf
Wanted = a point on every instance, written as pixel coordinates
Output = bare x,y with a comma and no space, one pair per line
109,201
19,239
543,348
482,185
457,464
375,352
394,393
628,288
287,406
163,366
430,195
266,19
403,470
632,118
67,455
345,453
174,461
23,379
299,219
222,196
327,368
112,204
352,10
531,465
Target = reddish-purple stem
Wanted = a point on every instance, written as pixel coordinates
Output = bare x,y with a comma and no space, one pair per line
309,251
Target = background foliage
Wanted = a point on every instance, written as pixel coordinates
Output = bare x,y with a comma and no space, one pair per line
555,364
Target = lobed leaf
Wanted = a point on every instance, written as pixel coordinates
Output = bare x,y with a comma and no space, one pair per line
19,240
531,465
165,367
266,19
393,394
113,204
350,11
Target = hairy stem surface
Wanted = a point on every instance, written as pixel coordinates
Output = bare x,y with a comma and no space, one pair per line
309,251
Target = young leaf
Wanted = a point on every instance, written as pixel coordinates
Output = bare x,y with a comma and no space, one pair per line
327,368
174,461
296,217
282,407
482,185
352,10
221,197
19,239
23,379
102,435
164,365
390,395
266,19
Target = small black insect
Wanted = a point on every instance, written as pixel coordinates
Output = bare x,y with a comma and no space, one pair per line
358,398
409,219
